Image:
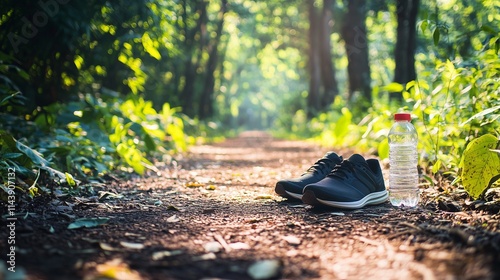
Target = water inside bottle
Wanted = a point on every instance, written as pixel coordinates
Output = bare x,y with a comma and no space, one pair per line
403,176
408,198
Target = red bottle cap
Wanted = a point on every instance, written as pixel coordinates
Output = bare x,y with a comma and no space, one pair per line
402,117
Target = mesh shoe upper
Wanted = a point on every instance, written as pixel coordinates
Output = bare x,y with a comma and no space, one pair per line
293,188
353,183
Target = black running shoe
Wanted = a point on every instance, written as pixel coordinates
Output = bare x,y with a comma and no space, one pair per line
293,188
352,184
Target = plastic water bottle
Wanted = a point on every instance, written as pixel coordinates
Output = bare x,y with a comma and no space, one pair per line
403,160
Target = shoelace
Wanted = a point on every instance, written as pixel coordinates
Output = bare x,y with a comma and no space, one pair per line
341,170
323,165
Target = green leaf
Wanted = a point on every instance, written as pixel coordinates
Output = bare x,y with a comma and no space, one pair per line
70,180
87,223
32,191
423,25
482,114
8,140
149,141
23,74
11,155
7,98
175,129
436,166
489,29
53,172
480,165
436,36
20,168
12,147
428,179
132,156
394,87
342,124
138,167
149,46
35,156
493,180
410,84
383,149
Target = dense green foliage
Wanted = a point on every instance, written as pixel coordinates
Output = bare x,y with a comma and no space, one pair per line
87,87
93,136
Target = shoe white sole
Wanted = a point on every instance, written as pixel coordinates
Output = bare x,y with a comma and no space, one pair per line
371,199
294,195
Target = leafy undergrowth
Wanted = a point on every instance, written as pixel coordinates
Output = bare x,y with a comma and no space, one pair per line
65,147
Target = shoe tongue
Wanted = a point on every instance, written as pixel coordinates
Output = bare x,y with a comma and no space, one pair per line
357,159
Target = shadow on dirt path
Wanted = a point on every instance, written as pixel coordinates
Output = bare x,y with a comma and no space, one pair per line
213,214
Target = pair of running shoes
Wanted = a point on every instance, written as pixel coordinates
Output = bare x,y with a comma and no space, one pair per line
336,182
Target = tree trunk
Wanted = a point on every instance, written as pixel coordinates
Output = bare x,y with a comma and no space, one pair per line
356,44
206,108
407,11
188,91
327,68
322,85
313,98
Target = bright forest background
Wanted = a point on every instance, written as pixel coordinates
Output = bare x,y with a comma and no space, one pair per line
92,87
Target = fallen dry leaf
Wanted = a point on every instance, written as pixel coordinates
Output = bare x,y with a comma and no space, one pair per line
164,254
194,185
173,219
114,269
130,245
292,239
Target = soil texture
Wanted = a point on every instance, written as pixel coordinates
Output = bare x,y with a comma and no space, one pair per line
212,213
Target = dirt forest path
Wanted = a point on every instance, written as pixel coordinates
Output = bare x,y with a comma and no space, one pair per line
213,214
